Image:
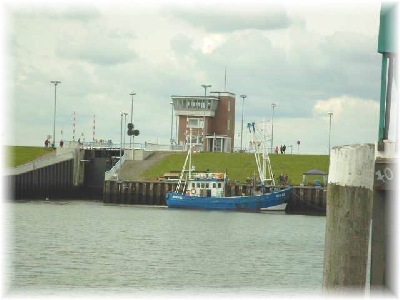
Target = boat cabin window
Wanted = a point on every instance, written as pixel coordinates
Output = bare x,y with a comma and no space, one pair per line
214,185
193,185
202,185
219,184
207,185
198,185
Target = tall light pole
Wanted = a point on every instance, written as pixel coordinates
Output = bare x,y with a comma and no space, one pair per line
125,114
330,127
172,121
272,127
130,137
241,132
55,82
120,145
205,86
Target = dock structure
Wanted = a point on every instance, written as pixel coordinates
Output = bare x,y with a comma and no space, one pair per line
68,173
100,174
303,200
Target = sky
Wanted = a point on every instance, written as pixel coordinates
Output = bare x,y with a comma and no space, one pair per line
308,59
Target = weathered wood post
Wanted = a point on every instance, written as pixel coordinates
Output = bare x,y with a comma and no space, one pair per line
349,206
382,254
383,240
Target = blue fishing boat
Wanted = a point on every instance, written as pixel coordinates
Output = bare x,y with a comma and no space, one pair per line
206,190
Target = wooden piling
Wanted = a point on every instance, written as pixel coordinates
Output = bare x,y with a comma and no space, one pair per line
383,252
349,207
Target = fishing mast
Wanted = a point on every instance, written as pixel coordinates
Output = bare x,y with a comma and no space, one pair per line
262,158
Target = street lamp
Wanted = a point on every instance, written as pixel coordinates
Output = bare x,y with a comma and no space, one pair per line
172,121
120,148
130,137
55,82
272,127
330,126
125,114
241,134
205,86
120,145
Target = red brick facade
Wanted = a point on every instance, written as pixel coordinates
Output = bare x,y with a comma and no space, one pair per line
219,117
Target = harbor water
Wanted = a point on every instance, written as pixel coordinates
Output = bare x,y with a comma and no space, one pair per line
79,247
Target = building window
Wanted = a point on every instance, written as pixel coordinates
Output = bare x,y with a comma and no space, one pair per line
229,105
195,123
229,125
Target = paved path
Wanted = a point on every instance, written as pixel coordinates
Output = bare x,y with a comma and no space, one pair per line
134,169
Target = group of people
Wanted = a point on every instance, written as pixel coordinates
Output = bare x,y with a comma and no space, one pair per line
282,149
47,143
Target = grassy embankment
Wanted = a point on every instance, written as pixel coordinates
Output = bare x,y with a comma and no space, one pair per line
19,155
240,166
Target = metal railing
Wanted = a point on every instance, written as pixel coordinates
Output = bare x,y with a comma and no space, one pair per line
113,172
39,163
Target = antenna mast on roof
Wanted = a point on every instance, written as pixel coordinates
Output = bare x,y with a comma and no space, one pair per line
225,81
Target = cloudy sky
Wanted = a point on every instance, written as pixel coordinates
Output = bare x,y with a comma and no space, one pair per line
308,59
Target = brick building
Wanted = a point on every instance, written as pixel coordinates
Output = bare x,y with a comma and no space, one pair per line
210,118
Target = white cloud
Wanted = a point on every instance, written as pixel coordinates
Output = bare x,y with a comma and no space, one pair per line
101,55
354,121
219,18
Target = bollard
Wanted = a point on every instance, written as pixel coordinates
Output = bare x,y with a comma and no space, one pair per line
348,216
383,255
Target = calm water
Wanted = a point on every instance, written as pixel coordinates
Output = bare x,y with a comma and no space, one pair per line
88,247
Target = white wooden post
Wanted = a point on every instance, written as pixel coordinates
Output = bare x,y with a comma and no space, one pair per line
349,206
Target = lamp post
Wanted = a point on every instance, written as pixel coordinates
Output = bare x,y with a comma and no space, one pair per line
130,137
172,121
125,114
55,82
330,127
241,132
272,127
120,148
205,86
120,145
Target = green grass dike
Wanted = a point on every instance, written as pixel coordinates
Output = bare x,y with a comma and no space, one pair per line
241,166
238,166
19,155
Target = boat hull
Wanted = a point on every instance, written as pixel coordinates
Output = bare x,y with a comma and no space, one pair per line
246,203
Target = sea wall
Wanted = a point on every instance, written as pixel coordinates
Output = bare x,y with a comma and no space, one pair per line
304,200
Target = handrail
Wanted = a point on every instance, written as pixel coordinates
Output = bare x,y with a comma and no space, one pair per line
40,163
109,174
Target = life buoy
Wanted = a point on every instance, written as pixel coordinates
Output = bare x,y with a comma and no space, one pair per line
193,191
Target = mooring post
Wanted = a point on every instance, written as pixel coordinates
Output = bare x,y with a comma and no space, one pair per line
382,255
349,206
